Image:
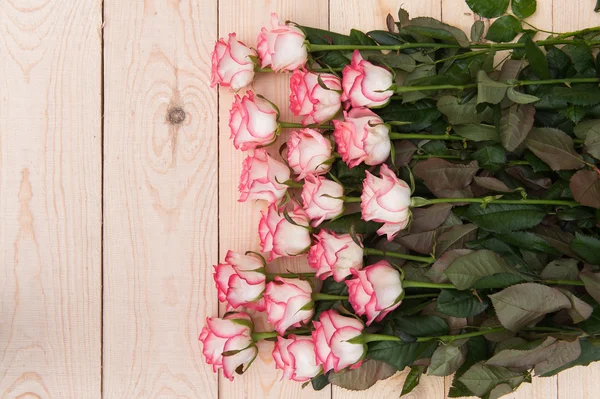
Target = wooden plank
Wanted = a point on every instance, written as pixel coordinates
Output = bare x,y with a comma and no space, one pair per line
239,221
50,201
160,197
365,16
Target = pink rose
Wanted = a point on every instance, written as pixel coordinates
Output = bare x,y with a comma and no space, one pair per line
362,136
386,200
241,281
232,64
296,357
289,303
365,84
331,336
315,103
308,152
318,198
253,122
262,177
282,47
280,237
335,255
228,334
375,291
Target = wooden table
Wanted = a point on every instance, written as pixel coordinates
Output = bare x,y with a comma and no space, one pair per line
118,193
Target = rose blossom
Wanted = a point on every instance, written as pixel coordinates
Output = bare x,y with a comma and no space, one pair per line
253,122
365,84
280,237
232,65
375,291
315,103
240,281
362,136
308,152
230,333
335,255
296,357
262,177
386,200
331,336
288,303
317,194
282,46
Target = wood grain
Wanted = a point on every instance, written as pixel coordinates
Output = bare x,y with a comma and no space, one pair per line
50,199
160,197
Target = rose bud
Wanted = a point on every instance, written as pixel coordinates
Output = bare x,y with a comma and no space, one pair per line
289,303
362,136
227,342
335,255
253,122
232,64
280,237
241,281
386,200
282,46
322,199
332,335
308,152
262,178
312,101
365,84
375,291
296,357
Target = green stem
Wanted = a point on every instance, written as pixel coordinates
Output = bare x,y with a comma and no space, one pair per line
418,296
516,163
351,200
578,32
557,81
450,338
327,297
317,70
563,282
271,276
257,336
379,337
292,125
424,259
417,136
495,201
436,156
422,284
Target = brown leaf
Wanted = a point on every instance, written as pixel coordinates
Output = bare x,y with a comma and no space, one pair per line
515,125
530,179
491,183
436,271
420,242
557,238
585,186
554,147
441,176
363,377
405,150
425,219
456,238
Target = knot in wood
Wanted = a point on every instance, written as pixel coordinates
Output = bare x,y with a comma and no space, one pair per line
175,115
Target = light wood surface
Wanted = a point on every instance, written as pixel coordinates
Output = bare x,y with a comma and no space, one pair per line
110,223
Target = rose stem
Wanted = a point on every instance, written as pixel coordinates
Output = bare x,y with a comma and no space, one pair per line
271,276
445,338
292,125
497,201
316,70
446,137
257,336
418,296
327,297
436,156
424,259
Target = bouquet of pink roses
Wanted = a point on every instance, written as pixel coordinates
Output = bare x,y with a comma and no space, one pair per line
475,250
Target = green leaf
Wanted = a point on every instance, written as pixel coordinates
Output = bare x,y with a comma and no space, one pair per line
396,354
591,325
488,8
582,58
505,218
597,8
587,247
554,147
363,377
460,303
491,157
577,95
445,178
537,59
455,238
421,326
521,98
558,62
458,113
528,241
477,30
489,90
519,305
477,351
588,353
385,38
499,280
585,186
504,29
466,270
592,283
412,379
422,114
500,390
561,269
515,124
481,379
564,353
359,38
592,144
523,8
477,132
343,224
319,382
524,359
554,236
432,28
447,359
521,53
395,60
436,271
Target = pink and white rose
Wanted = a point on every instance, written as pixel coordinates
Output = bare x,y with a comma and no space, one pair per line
228,334
279,237
312,101
295,355
375,291
262,178
322,199
282,46
362,137
308,152
335,255
232,64
386,200
365,84
331,336
253,122
241,281
289,303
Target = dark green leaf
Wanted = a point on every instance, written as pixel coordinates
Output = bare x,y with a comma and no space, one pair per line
319,382
460,303
481,379
447,358
553,235
587,247
515,125
385,38
597,8
466,270
488,8
554,147
582,58
458,113
395,60
477,30
499,280
537,59
422,113
520,53
528,241
561,269
436,271
504,218
455,238
412,379
421,326
523,8
432,28
363,377
396,354
477,132
558,62
585,186
536,164
491,157
504,29
477,350
592,283
500,390
359,38
577,95
489,90
343,224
